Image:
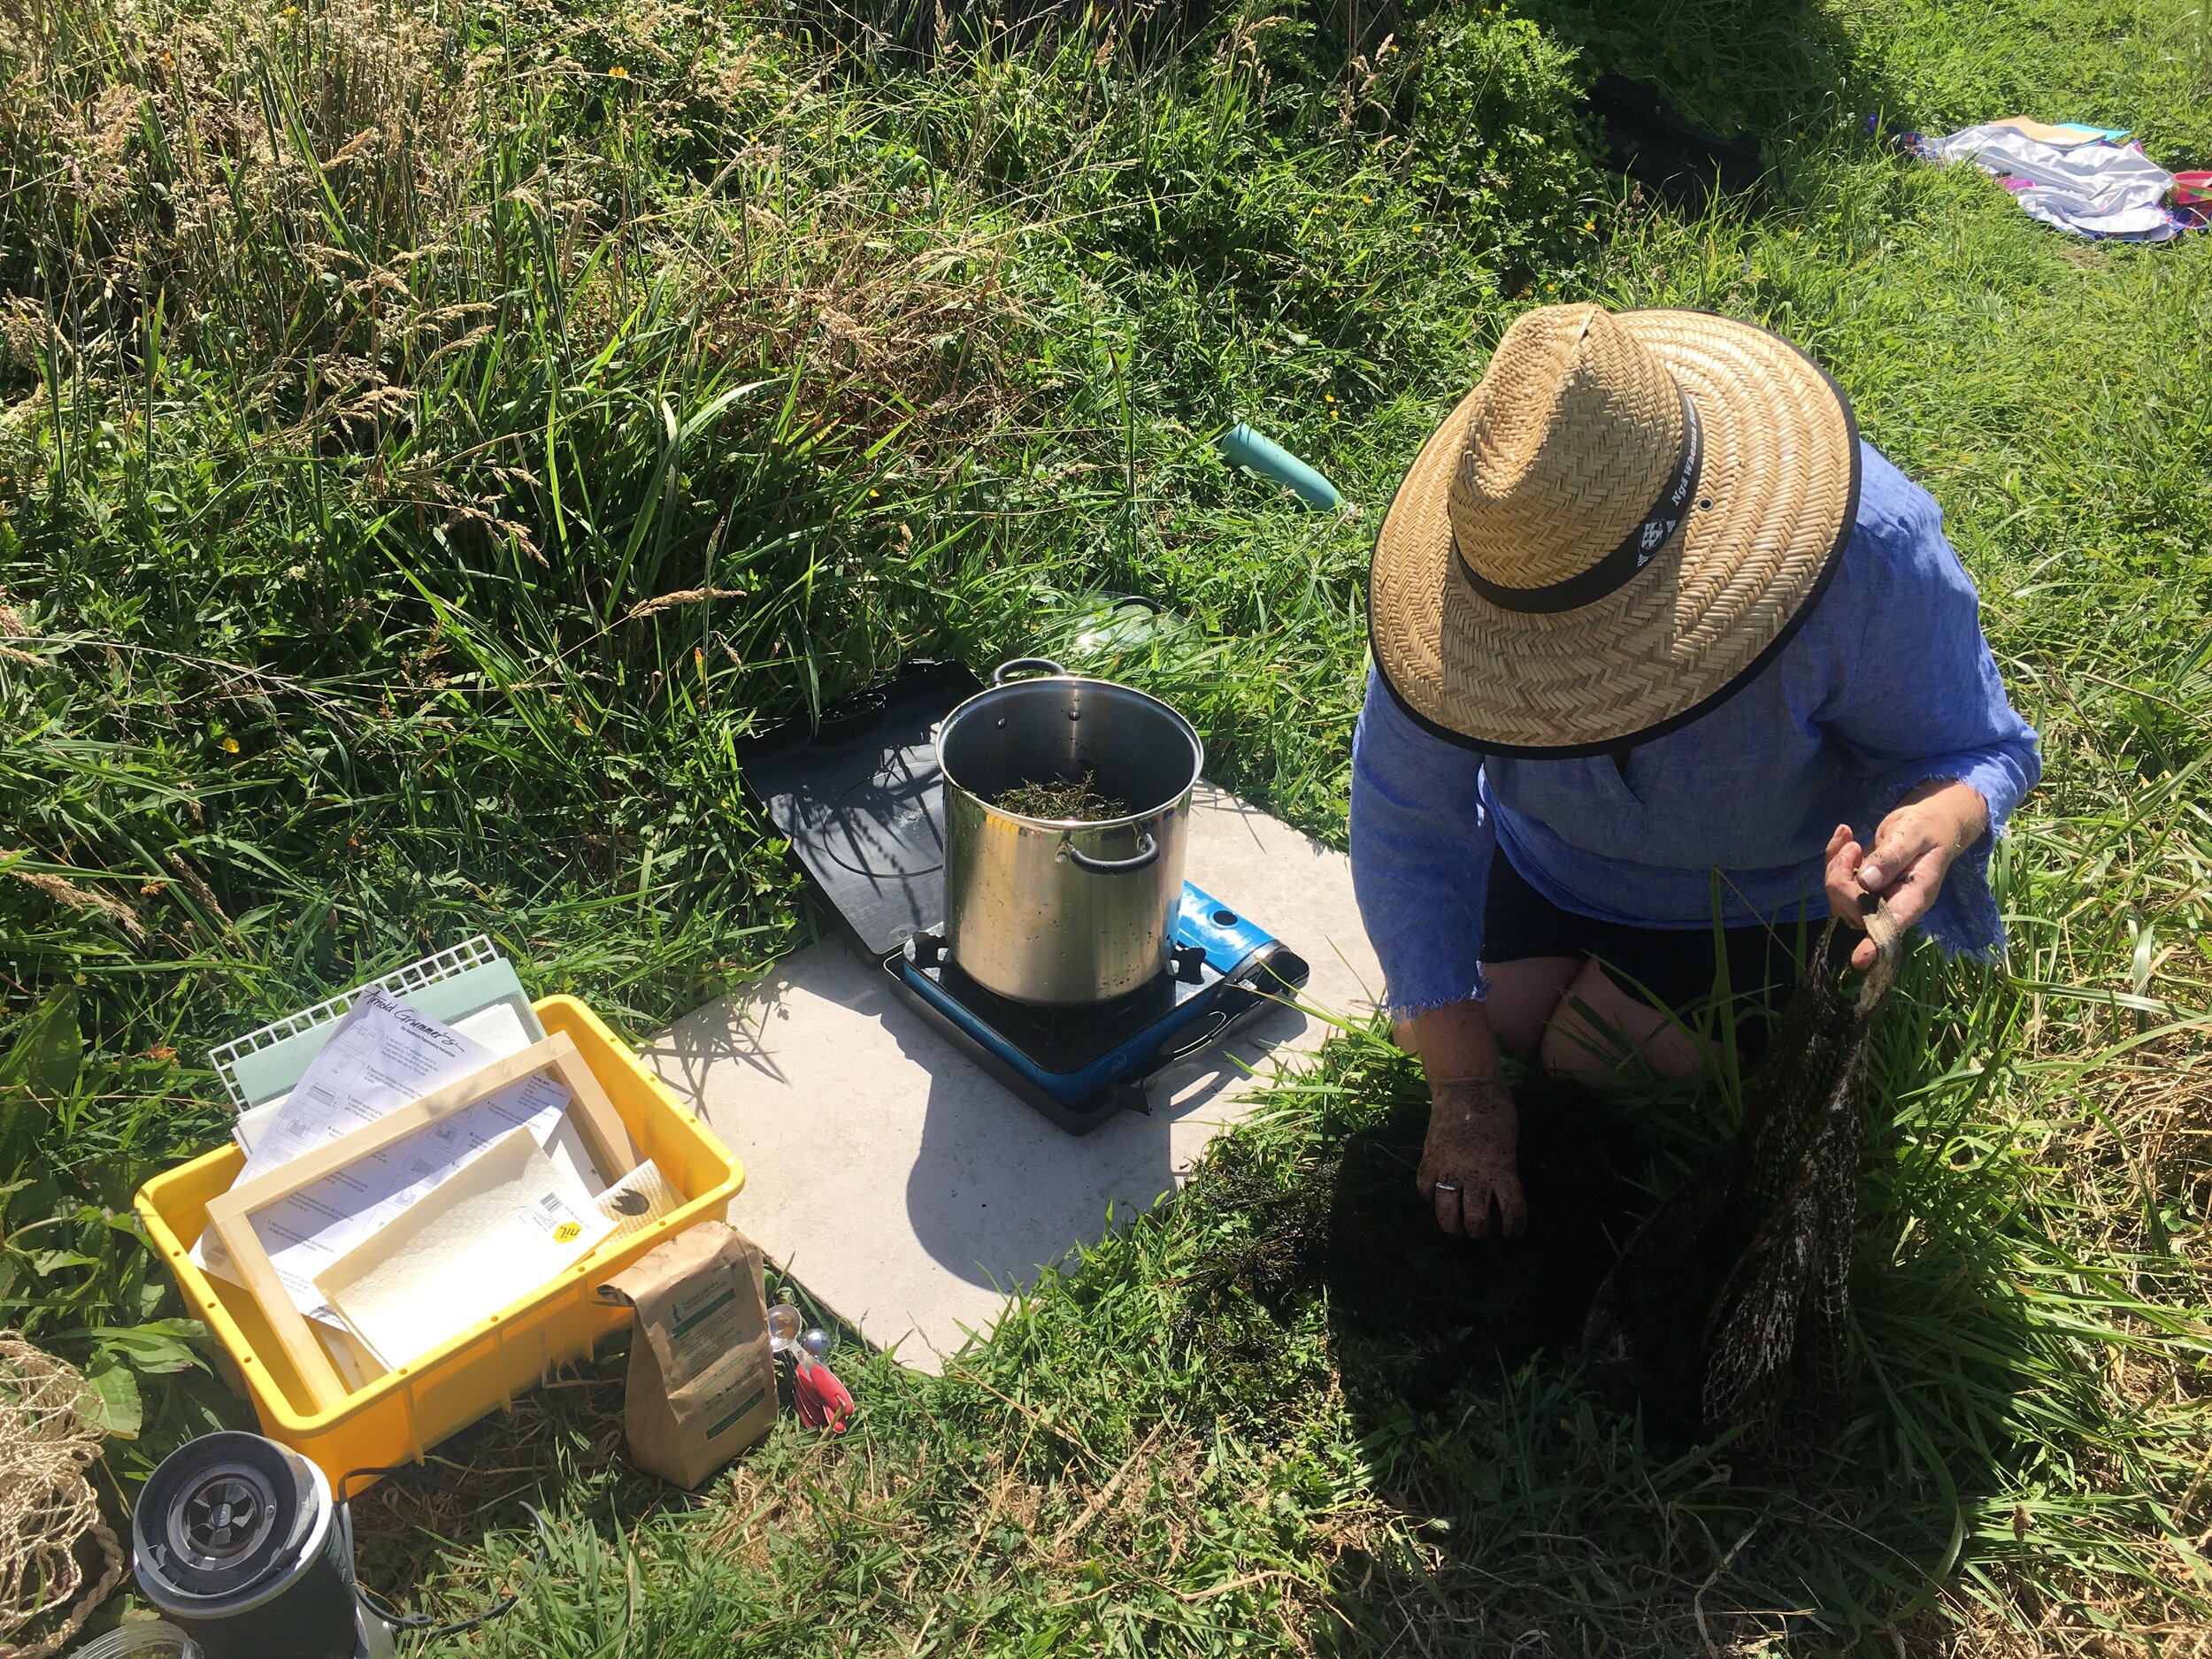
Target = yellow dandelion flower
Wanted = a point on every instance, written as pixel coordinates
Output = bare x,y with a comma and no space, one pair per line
230,746
619,72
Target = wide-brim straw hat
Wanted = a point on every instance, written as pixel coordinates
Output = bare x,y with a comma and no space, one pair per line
1625,521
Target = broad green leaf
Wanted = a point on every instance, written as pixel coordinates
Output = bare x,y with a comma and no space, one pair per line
48,1049
54,1261
116,1405
164,1344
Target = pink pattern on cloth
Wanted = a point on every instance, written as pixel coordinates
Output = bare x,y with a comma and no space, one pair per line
2193,200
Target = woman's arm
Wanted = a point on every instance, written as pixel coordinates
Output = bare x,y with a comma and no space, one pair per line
1454,1044
1913,851
1421,850
1421,846
1921,701
1469,1160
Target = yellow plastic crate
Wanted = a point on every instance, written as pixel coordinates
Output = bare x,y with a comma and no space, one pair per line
400,1416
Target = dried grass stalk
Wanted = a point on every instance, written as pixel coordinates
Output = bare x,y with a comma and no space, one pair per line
1077,801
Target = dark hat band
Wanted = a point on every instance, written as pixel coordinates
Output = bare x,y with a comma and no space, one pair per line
1615,569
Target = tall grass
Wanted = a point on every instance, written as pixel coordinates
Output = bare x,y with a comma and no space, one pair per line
435,436
438,437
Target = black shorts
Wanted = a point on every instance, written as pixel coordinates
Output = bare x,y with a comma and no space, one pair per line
1661,967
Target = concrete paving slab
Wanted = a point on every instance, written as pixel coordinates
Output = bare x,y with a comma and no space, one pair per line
912,1194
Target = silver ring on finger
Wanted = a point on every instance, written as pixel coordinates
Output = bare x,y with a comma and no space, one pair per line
1446,1186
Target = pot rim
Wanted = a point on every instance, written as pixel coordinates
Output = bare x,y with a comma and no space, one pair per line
1061,824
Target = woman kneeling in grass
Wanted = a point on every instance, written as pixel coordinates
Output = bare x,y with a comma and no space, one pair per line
1656,640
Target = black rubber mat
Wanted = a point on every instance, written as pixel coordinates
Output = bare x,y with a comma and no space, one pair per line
861,801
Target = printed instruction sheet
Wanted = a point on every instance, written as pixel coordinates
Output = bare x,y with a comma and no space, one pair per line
383,1055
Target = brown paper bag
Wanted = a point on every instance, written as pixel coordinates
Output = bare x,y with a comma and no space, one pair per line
702,1381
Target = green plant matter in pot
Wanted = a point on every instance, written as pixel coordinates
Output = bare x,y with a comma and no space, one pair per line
1062,800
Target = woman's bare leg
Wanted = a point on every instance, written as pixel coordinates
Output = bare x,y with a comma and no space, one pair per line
1616,1035
1523,996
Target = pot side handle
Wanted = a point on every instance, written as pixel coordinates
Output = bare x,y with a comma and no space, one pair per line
1146,854
1041,664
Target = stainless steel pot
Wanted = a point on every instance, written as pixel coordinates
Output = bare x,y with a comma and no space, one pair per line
1052,912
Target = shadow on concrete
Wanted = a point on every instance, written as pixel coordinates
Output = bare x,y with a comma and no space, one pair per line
997,1193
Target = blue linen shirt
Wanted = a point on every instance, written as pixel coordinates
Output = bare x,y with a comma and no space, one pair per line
1889,684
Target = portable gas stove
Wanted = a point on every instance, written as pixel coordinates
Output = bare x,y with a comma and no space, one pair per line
860,798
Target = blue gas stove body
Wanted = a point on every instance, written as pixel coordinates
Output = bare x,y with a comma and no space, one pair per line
1079,1066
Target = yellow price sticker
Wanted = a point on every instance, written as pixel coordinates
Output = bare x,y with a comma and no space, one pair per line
568,1232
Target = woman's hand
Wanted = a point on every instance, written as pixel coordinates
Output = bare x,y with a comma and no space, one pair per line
1913,850
1469,1166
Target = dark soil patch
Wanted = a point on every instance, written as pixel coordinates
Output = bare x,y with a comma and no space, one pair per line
1413,1310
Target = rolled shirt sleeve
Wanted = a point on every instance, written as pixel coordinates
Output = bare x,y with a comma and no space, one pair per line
1421,846
1922,702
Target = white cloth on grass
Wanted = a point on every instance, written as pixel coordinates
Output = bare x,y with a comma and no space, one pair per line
2093,190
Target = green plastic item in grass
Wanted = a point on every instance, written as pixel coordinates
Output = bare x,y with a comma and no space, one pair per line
1240,446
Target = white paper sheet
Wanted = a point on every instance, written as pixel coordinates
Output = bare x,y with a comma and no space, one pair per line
383,1055
497,1229
638,1200
498,1028
307,1231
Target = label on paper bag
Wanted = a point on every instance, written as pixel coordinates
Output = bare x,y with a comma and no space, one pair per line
702,1385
